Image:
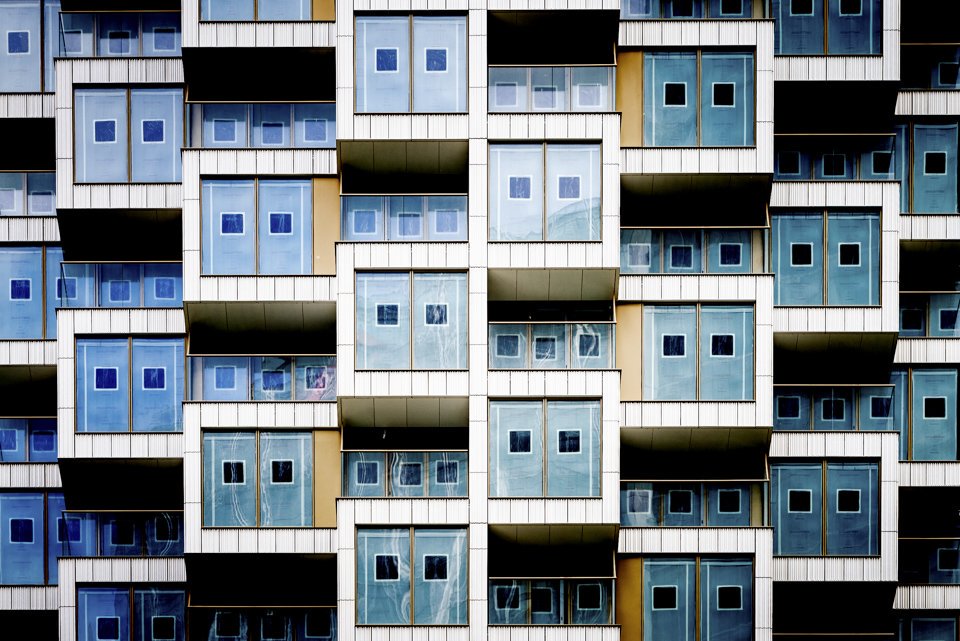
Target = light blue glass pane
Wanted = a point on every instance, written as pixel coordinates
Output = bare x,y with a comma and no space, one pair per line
670,100
854,32
51,13
103,393
727,109
932,629
362,218
447,473
271,126
286,479
55,508
283,10
509,602
516,188
880,162
548,346
796,505
228,227
834,166
548,89
548,601
229,479
516,448
220,378
639,251
315,126
76,35
408,474
440,577
902,164
52,267
901,408
118,34
636,9
382,64
13,440
682,8
591,346
797,33
590,89
439,64
156,134
797,246
682,505
76,285
934,410
878,408
158,380
669,599
439,321
791,164
639,505
164,534
152,605
364,474
100,135
726,9
383,576
225,125
447,218
163,285
103,613
834,409
285,227
405,218
383,321
728,505
682,252
11,194
726,599
852,509
316,378
935,169
22,542
573,448
161,34
943,314
226,10
21,291
726,353
590,602
119,285
573,192
729,252
120,535
669,353
508,346
853,259
42,441
508,89
791,408
76,535
20,49
271,379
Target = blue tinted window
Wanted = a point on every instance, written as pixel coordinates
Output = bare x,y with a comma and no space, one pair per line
568,441
435,314
367,473
721,345
231,223
447,222
545,348
364,221
8,440
681,256
674,345
788,407
447,473
588,345
508,345
104,130
272,133
569,187
387,567
388,315
519,441
225,377
233,472
948,319
152,130
436,59
118,42
154,378
165,288
68,530
19,289
44,441
18,42
66,288
21,530
315,377
315,130
411,474
281,222
880,406
281,471
164,39
272,380
224,130
730,254
387,60
108,628
410,224
434,567
105,378
520,187
120,291
72,40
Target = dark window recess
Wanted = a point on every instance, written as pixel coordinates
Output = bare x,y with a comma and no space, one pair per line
273,626
731,7
434,567
435,314
848,500
948,559
674,345
949,72
68,530
850,7
935,162
448,473
367,473
44,441
833,409
880,406
388,315
664,597
21,530
232,472
281,471
164,628
882,162
411,474
8,440
788,407
801,7
728,501
108,628
508,346
588,596
507,597
638,501
834,165
801,254
387,567
318,624
730,254
729,597
165,529
934,407
588,345
568,441
519,441
681,257
680,501
911,319
228,624
724,94
541,600
682,8
272,380
545,348
799,500
122,533
721,345
948,319
674,94
849,254
789,162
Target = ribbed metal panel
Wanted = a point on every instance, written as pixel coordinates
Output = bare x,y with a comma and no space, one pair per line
929,474
929,227
928,103
28,352
28,598
544,511
26,105
927,597
712,414
434,383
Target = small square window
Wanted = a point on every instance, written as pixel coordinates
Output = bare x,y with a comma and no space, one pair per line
682,8
121,533
104,131
880,406
164,39
800,501
155,378
721,345
118,43
365,221
728,501
505,94
848,500
315,378
273,628
224,130
72,41
40,202
519,441
568,442
8,440
387,60
801,7
851,7
731,254
681,257
568,187
948,560
67,288
541,600
435,314
225,377
447,221
271,133
948,73
227,624
387,567
43,441
164,628
165,529
882,162
935,163
164,289
8,200
731,7
545,348
151,131
520,188
368,473
545,97
281,472
508,345
317,626
315,130
272,380
832,409
20,289
68,530
435,60
724,94
435,567
911,319
801,254
948,319
680,502
119,291
729,597
664,597
788,163
639,501
590,94
447,473
674,94
935,407
588,345
105,378
233,473
674,345
834,165
18,42
21,530
388,315
231,222
589,596
108,628
411,474
849,254
281,223
410,225
638,255
507,597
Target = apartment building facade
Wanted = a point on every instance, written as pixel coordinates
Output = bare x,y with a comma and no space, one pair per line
515,320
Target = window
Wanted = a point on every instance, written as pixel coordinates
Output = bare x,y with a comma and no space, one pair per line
948,560
72,42
568,187
541,600
68,530
8,440
801,254
108,628
728,501
851,8
729,597
224,130
721,345
105,378
664,597
638,254
544,348
682,8
411,474
18,42
227,624
799,500
21,530
681,257
165,529
882,162
281,222
544,97
118,43
589,596
435,314
519,441
152,131
281,471
368,473
315,378
119,291
273,380
104,131
788,163
674,345
948,319
507,598
568,441
639,501
520,188
388,315
273,628
225,377
832,409
165,39
948,73
588,345
387,567
911,319
834,165
410,225
165,289
724,94
801,7
848,500
928,167
935,163
154,378
271,133
122,533
315,130
935,407
730,254
508,345
435,567
674,94
680,501
731,7
233,473
447,473
880,406
20,289
386,60
140,611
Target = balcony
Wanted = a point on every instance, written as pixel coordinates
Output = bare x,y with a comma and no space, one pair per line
127,534
542,346
403,218
309,125
717,504
547,601
434,474
837,408
929,314
578,89
28,194
929,561
111,35
838,157
120,285
691,251
263,378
